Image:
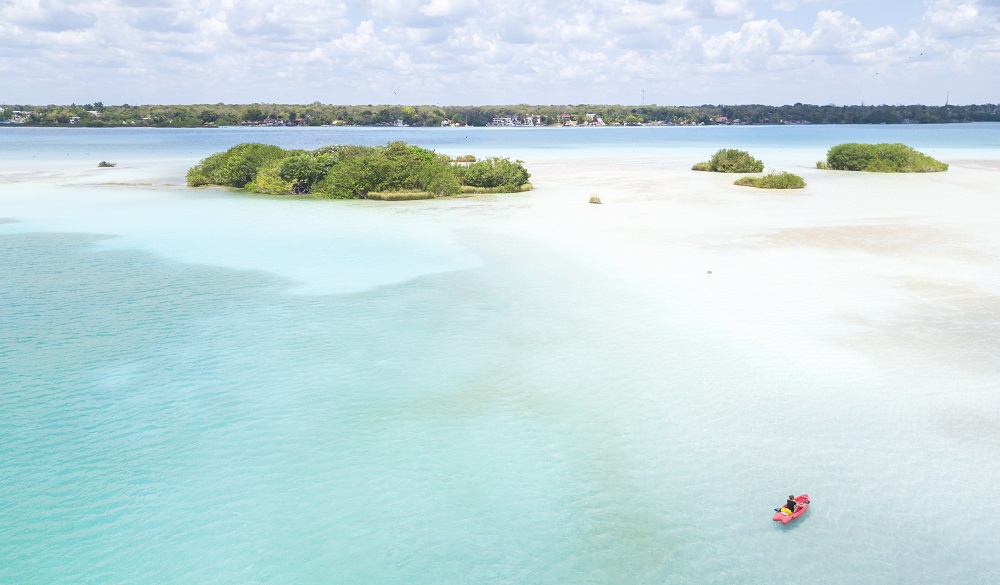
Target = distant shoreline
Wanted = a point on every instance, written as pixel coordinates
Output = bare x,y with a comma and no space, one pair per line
97,115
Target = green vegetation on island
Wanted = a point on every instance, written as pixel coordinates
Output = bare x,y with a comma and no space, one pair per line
98,114
396,171
731,160
880,158
773,180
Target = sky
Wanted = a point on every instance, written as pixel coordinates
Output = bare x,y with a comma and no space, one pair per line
479,52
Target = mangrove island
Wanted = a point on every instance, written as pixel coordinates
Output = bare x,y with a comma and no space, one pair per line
392,172
880,158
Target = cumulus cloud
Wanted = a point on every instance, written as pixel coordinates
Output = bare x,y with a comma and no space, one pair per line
465,51
789,5
767,44
449,8
748,48
950,18
840,35
732,9
955,18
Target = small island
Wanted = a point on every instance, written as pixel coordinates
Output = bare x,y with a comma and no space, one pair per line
879,158
396,171
731,160
773,180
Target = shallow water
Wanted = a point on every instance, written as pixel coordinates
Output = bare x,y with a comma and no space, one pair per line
207,387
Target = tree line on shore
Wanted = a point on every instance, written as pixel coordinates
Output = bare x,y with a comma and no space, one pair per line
316,114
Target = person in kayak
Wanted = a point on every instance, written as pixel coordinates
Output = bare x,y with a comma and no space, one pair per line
790,505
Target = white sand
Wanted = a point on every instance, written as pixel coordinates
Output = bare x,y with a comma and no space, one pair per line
868,262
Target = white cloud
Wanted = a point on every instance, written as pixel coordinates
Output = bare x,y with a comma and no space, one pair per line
949,18
468,51
767,44
838,35
732,9
974,25
789,5
450,8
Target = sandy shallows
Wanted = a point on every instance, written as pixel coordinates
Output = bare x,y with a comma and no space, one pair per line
877,263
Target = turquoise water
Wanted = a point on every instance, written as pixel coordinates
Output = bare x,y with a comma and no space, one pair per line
85,144
219,389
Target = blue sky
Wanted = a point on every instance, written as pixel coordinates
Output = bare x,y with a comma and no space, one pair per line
457,52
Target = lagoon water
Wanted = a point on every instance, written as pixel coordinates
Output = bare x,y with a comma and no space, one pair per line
203,386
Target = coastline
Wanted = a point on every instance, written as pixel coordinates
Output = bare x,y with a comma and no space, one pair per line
500,115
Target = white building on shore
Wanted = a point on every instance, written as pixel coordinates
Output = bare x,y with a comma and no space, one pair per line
530,120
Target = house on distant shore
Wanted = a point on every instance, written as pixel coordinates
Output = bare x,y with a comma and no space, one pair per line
529,120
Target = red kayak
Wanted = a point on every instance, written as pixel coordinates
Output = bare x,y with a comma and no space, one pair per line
802,504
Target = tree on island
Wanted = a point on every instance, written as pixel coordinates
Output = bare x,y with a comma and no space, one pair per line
731,160
880,158
355,172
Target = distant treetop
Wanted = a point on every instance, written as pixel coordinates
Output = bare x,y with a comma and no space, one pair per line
316,114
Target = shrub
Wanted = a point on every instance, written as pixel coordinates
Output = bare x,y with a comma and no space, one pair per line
330,149
730,160
881,158
206,171
438,179
268,180
243,162
702,166
235,167
105,164
354,174
465,158
773,180
358,170
301,171
495,173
